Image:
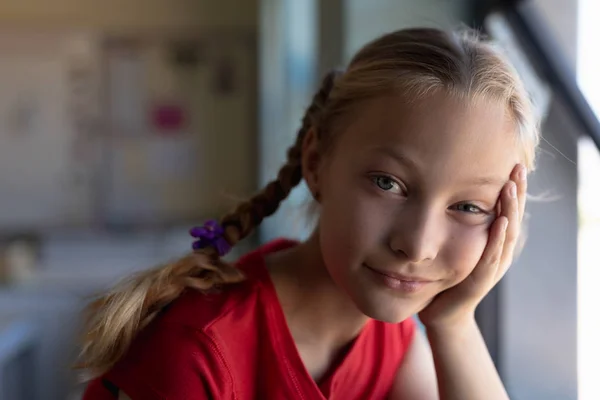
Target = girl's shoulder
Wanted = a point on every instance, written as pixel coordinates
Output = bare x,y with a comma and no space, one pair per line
202,310
199,334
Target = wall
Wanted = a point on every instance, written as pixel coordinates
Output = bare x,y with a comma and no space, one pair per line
391,15
225,120
35,132
160,176
129,14
288,79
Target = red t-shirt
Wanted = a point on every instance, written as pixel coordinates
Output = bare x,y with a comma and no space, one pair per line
236,344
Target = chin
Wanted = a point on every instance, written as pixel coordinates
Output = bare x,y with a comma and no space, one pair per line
392,312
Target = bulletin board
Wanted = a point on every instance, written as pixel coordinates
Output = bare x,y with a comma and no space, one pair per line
48,108
170,107
99,130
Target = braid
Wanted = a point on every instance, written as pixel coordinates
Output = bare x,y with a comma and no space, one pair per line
248,215
116,318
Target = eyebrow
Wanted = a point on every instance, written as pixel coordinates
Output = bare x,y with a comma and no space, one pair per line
410,163
486,181
402,159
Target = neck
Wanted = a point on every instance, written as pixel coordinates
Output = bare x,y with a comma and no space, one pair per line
319,314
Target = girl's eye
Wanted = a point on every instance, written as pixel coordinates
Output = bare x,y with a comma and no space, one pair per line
387,184
469,208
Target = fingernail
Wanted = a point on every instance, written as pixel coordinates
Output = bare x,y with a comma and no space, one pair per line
523,173
513,190
504,224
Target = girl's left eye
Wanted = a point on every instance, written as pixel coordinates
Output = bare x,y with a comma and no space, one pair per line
469,208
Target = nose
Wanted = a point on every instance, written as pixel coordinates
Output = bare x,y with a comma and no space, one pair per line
417,235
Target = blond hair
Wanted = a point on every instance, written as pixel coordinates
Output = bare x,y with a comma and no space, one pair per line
413,62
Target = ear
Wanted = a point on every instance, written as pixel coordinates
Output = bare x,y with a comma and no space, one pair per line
311,162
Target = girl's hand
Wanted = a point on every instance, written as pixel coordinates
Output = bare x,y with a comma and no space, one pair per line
455,306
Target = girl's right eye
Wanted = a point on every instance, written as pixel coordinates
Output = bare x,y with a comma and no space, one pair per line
387,184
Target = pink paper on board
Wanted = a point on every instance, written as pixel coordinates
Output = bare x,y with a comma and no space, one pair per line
168,117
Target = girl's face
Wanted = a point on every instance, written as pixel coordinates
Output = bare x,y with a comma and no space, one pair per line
408,193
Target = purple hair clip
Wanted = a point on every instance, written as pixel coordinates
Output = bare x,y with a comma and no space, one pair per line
210,234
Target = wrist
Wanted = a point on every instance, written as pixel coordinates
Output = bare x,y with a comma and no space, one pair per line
455,328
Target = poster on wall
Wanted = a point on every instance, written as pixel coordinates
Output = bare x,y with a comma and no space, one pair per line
128,131
45,171
171,128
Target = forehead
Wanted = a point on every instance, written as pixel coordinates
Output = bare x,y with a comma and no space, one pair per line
438,132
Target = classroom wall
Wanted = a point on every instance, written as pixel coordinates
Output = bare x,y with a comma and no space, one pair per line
396,14
37,43
129,14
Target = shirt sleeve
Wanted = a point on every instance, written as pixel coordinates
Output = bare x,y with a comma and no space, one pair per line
103,389
161,365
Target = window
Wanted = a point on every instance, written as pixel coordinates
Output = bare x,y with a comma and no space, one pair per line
548,311
576,21
588,296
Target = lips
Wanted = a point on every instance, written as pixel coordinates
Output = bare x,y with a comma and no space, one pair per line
401,277
407,284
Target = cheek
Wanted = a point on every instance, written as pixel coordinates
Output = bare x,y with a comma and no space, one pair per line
350,225
463,252
345,233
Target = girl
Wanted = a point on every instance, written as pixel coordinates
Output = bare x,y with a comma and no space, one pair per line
417,156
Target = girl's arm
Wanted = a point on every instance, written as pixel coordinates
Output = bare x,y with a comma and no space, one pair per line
460,361
463,365
416,378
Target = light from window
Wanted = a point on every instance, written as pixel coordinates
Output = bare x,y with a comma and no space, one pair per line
588,295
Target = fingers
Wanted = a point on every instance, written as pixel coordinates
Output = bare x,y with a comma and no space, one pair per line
519,176
511,210
491,258
512,200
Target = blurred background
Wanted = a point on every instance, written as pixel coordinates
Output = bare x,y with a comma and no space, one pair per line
123,123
